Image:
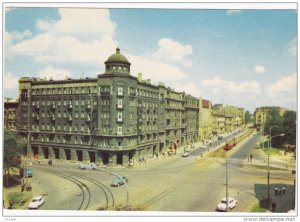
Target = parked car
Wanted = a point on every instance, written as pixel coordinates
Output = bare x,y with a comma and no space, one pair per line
231,204
23,172
118,181
185,154
90,166
36,202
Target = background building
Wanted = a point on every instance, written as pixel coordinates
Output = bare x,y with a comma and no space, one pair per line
227,119
205,120
261,114
10,113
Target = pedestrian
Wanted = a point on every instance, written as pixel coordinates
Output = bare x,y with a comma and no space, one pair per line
279,192
11,204
283,190
273,206
276,191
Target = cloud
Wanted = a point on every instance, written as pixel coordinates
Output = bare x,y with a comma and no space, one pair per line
154,70
172,51
259,69
14,37
81,36
10,81
287,85
233,11
293,47
85,24
217,84
156,65
189,88
52,73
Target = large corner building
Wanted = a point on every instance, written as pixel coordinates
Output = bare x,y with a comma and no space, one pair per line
113,119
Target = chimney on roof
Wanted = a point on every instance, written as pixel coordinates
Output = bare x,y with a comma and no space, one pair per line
140,76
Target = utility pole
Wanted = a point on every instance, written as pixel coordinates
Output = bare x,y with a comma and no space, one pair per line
28,133
227,209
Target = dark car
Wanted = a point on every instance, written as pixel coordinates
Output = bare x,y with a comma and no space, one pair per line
118,181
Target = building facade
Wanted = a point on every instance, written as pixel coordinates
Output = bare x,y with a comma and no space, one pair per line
205,120
227,119
113,119
10,113
262,113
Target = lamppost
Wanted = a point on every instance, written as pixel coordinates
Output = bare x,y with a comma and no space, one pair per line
28,134
270,139
126,187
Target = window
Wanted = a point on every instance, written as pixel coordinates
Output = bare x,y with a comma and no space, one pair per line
119,130
120,91
120,103
120,117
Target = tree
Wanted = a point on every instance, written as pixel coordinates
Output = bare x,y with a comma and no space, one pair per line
274,119
12,152
289,127
247,117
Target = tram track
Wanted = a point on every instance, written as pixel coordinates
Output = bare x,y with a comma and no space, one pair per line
80,181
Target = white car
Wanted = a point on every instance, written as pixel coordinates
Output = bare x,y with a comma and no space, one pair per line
185,154
231,204
36,202
87,167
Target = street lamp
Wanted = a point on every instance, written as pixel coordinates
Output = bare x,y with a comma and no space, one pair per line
126,187
270,139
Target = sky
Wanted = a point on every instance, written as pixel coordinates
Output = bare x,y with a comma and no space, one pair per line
244,58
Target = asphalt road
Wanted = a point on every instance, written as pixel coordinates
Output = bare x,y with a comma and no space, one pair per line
191,184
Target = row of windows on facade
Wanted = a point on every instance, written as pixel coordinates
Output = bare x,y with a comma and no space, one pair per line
78,140
176,96
10,112
93,89
104,102
64,90
63,127
173,133
64,114
117,68
192,103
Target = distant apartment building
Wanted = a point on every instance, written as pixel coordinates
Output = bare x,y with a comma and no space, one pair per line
205,119
10,113
227,119
261,114
113,119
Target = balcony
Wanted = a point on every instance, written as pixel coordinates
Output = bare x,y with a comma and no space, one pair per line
53,118
53,106
88,106
88,118
37,106
120,106
120,120
120,93
119,133
70,118
70,106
